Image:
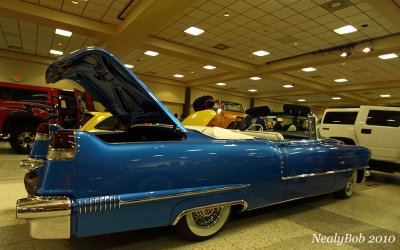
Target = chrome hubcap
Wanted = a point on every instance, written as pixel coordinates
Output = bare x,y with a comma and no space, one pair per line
207,217
26,139
350,184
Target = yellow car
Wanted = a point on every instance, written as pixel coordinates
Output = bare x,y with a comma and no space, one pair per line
100,122
224,115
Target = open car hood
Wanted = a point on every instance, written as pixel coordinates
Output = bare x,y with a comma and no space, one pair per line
112,84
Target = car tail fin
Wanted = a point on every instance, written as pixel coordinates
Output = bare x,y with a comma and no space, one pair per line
62,146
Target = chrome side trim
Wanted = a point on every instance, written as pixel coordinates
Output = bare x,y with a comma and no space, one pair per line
317,174
173,196
224,204
31,163
98,204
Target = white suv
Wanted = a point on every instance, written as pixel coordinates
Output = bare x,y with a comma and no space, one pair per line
375,127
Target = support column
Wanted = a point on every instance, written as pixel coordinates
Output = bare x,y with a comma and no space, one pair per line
186,105
252,102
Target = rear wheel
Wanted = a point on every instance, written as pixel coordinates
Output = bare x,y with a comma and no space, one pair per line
203,224
348,190
21,139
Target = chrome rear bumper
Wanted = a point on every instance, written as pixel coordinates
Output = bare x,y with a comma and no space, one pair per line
49,216
31,163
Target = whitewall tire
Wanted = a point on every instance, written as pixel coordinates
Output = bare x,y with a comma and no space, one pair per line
203,224
349,188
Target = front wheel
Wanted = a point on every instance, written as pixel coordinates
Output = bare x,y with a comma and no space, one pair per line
21,139
203,224
348,190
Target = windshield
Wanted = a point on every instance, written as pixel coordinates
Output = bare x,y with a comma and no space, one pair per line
291,127
231,106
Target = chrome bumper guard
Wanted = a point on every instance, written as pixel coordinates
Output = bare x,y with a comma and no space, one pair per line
49,216
31,163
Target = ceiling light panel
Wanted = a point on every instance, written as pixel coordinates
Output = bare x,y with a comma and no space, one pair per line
62,32
309,25
167,66
194,31
56,52
388,56
261,53
359,71
288,86
151,53
209,67
345,30
309,69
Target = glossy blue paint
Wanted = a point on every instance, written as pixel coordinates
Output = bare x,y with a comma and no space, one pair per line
137,171
132,182
111,83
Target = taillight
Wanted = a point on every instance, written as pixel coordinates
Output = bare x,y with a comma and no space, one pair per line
62,146
43,132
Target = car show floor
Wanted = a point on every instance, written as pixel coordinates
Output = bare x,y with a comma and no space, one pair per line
368,220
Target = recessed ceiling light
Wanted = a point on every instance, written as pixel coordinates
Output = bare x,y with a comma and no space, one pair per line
194,31
226,14
309,69
301,100
336,98
388,56
252,90
151,53
63,32
209,67
179,75
75,2
345,54
220,84
366,49
336,4
261,53
345,30
341,80
385,95
288,86
255,78
56,52
129,66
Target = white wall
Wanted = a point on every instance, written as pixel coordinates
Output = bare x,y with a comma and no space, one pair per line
31,74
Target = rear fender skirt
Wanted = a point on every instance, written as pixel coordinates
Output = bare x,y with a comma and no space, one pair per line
237,197
241,203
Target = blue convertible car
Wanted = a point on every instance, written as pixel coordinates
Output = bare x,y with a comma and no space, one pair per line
159,173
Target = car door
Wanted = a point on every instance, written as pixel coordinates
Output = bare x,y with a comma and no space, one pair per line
309,168
380,132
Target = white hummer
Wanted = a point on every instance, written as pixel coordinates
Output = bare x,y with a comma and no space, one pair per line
375,127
